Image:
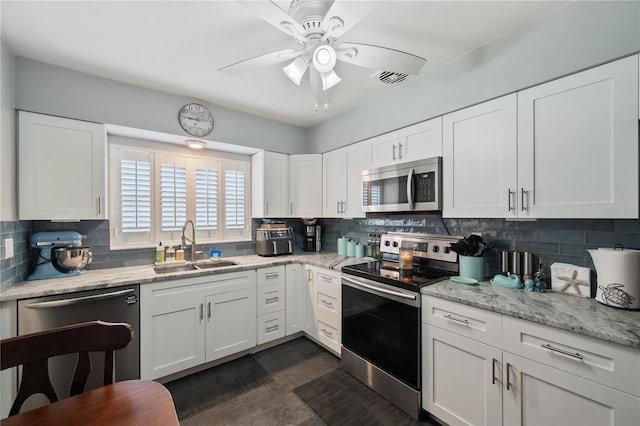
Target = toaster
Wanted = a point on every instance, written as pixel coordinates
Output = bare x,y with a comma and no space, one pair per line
274,242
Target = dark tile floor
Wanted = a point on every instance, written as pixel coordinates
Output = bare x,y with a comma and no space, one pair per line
296,383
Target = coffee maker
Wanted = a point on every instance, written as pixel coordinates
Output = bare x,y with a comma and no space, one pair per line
312,235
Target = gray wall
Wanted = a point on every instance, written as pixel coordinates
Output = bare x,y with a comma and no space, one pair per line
49,89
8,209
578,36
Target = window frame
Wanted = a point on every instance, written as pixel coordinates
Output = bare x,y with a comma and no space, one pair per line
120,147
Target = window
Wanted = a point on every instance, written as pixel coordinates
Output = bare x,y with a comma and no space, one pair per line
155,188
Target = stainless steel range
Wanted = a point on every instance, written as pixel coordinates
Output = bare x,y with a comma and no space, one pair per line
381,315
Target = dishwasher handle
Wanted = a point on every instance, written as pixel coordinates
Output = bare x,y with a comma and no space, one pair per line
77,300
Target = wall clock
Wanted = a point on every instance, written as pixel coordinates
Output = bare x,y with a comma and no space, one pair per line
195,119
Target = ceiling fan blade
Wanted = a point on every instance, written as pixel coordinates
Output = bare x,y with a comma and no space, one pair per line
260,61
380,58
343,15
273,14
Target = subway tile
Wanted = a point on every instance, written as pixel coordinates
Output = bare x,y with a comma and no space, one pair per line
560,236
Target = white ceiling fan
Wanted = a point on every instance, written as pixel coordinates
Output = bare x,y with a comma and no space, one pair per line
315,26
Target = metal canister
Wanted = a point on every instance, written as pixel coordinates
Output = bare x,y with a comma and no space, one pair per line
515,263
504,262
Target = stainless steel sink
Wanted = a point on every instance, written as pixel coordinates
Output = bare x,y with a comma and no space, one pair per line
170,269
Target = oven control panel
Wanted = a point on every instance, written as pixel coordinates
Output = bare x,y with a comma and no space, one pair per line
435,247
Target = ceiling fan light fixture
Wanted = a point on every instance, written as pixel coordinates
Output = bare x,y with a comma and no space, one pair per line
329,79
324,58
195,143
296,69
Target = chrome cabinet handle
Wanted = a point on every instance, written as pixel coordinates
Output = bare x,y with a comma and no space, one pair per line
509,192
563,352
326,303
290,208
522,192
452,318
266,208
76,300
209,310
272,328
201,311
327,332
493,371
394,151
508,376
272,300
272,275
99,205
399,151
338,207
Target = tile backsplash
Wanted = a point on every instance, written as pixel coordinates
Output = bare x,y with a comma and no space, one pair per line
557,240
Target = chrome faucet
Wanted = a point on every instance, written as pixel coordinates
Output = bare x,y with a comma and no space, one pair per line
192,240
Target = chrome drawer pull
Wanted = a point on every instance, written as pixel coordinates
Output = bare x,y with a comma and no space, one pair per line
272,328
327,332
328,304
452,318
272,300
563,352
493,371
272,275
508,376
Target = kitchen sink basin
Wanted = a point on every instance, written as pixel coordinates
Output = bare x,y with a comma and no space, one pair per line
170,269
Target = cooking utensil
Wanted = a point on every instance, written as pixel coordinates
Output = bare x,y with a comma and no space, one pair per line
69,259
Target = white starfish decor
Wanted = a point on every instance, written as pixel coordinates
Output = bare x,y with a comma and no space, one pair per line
572,282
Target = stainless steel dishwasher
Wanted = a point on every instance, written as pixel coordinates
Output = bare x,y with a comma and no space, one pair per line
117,304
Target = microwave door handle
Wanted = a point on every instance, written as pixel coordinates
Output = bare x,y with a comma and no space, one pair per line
410,189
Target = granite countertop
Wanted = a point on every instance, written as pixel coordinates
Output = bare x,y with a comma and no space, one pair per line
114,277
577,314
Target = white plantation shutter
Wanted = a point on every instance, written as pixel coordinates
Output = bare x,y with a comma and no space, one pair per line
206,199
173,196
135,192
234,199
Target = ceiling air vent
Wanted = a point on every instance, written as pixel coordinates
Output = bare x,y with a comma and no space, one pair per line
389,77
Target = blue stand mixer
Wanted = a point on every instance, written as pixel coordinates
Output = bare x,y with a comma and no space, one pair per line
60,254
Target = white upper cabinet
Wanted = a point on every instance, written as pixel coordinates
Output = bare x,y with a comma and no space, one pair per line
578,145
342,181
305,185
563,149
479,160
416,142
382,150
422,140
269,184
62,168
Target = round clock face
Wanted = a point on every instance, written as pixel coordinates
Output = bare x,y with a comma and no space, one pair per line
196,120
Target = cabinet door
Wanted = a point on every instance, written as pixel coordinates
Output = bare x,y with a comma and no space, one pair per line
355,156
578,145
270,180
231,323
479,160
309,324
420,141
295,298
535,394
62,168
462,379
334,176
382,150
305,183
171,338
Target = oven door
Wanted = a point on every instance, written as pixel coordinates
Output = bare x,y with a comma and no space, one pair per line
381,324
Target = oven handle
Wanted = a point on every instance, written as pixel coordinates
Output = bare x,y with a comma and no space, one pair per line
380,290
410,189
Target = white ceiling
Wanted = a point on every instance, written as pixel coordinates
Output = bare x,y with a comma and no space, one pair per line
179,46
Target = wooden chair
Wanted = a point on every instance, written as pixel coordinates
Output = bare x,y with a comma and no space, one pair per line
33,351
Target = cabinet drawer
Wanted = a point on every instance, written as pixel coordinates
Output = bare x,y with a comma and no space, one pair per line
270,327
271,298
329,278
327,305
613,365
478,324
329,336
267,276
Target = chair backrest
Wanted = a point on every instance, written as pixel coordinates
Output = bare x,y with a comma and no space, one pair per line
33,351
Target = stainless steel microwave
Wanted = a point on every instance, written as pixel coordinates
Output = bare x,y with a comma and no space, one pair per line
414,186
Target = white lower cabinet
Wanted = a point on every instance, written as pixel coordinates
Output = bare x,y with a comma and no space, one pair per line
323,306
271,303
187,322
295,290
532,375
